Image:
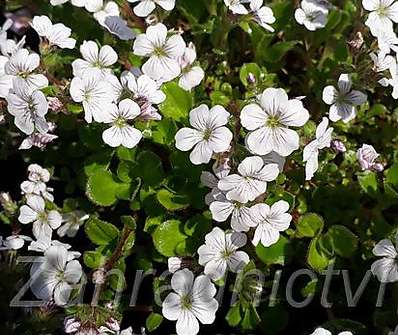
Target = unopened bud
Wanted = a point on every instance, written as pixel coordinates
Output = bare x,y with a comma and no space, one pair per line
338,146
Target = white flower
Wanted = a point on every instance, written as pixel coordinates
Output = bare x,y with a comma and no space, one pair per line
15,242
221,169
268,123
146,7
382,14
191,76
121,133
241,219
385,269
311,150
386,40
44,242
322,331
56,34
77,3
43,221
236,6
145,89
56,276
382,61
28,106
6,80
71,223
94,58
102,9
343,100
174,264
367,156
191,301
220,252
21,64
163,52
95,94
270,221
311,14
251,180
117,26
263,15
37,140
36,183
10,47
208,136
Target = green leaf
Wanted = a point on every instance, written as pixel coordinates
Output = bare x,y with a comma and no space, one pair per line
234,316
167,236
178,102
103,190
172,202
344,242
275,53
153,321
100,232
250,318
316,258
310,225
249,69
278,253
368,182
149,167
94,259
392,175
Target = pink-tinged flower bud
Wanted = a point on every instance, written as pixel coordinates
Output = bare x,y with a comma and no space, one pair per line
71,325
338,146
99,276
54,104
113,324
251,78
378,167
366,156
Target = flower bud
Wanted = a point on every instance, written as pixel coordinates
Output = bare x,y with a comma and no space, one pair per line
366,156
338,146
54,104
99,276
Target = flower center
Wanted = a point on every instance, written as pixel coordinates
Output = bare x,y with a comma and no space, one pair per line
160,52
382,11
207,134
272,122
120,122
186,302
226,254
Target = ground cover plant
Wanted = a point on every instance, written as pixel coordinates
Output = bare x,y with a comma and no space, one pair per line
199,167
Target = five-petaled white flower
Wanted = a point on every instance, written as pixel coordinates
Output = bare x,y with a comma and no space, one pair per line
263,15
268,123
192,300
94,58
222,208
220,253
21,64
43,221
208,136
163,52
343,100
311,151
28,106
56,276
270,221
323,331
251,180
385,269
191,75
95,94
382,14
146,7
121,132
56,34
311,14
